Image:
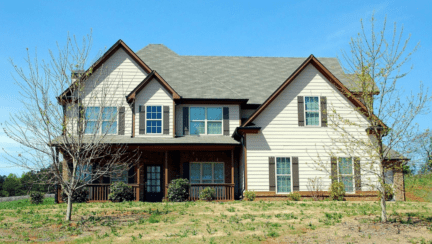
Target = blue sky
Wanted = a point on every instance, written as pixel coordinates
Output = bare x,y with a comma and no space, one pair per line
229,28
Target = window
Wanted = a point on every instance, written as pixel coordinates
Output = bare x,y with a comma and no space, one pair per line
83,172
345,166
205,120
312,111
95,120
207,173
283,175
119,174
154,120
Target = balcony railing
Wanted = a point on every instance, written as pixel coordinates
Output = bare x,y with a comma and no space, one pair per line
222,191
99,192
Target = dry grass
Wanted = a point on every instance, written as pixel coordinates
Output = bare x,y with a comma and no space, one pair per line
211,222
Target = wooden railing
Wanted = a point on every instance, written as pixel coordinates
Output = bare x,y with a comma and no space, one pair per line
223,191
99,192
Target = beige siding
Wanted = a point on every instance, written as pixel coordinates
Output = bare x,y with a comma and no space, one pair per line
281,136
116,78
233,116
154,94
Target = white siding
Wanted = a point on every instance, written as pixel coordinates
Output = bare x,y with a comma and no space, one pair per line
234,120
116,78
154,94
281,136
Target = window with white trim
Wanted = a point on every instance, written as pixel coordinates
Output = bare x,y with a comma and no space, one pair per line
154,120
207,173
312,113
107,120
346,173
283,175
205,120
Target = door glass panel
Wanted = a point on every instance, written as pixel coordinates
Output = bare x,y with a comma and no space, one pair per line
153,179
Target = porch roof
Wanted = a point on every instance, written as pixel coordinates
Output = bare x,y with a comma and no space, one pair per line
150,140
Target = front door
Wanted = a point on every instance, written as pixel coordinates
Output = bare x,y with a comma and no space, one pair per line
153,184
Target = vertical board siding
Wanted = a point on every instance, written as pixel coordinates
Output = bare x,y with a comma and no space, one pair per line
281,135
120,74
233,116
155,94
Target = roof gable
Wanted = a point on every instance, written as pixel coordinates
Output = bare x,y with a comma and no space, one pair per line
119,44
324,71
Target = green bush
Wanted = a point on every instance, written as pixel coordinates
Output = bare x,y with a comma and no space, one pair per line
120,192
207,194
337,191
294,196
249,195
80,195
36,197
178,190
389,192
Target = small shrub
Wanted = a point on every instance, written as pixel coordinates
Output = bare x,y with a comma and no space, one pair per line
178,190
120,192
337,191
249,195
36,197
207,194
294,196
389,192
80,195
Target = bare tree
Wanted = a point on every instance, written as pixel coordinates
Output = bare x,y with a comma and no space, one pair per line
374,68
421,149
67,121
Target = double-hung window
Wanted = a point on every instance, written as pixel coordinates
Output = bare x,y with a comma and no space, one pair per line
205,120
283,175
119,174
154,120
107,120
345,170
312,113
207,173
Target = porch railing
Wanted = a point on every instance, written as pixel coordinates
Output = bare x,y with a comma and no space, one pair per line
223,191
99,192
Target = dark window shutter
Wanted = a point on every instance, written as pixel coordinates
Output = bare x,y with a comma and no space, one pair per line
300,104
166,120
226,131
295,174
142,127
334,169
185,120
323,111
272,182
121,123
186,171
357,174
131,175
81,118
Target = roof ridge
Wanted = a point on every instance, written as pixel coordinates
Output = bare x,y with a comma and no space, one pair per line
223,56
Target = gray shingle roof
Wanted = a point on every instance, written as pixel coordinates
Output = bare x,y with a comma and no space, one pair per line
222,140
253,78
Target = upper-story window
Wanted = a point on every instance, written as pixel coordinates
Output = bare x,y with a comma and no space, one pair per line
312,112
97,122
205,120
154,120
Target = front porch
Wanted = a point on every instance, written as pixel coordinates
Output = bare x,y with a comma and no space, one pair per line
215,166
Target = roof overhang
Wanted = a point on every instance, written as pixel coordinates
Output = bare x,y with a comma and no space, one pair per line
211,101
153,75
63,98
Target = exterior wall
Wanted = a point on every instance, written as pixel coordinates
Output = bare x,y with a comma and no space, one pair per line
118,76
281,136
154,94
234,119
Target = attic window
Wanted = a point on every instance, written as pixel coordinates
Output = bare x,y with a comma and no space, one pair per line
312,111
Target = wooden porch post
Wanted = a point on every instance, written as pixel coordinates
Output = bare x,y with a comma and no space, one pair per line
232,174
166,173
138,175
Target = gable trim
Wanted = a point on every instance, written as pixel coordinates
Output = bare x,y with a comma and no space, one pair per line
324,71
119,44
154,74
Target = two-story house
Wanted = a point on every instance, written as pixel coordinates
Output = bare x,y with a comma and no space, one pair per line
232,123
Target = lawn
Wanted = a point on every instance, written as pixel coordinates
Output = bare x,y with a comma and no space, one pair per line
419,187
216,222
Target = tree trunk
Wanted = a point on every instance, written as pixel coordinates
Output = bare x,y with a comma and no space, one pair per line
69,208
383,196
